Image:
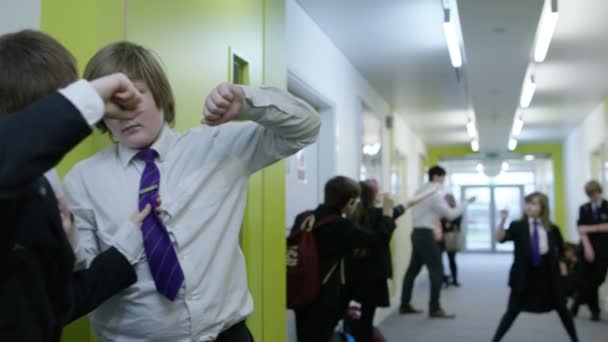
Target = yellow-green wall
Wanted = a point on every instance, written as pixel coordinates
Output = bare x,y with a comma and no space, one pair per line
554,149
193,39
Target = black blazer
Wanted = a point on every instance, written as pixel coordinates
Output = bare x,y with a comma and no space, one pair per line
39,291
367,269
375,262
335,241
599,241
519,233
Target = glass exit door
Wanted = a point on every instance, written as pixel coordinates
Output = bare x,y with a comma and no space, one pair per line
482,217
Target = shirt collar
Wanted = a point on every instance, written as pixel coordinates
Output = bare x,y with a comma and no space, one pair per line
161,146
531,221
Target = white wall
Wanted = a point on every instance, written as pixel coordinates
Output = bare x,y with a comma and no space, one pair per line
18,15
316,61
579,145
410,146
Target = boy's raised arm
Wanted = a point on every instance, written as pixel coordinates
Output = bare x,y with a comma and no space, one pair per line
285,124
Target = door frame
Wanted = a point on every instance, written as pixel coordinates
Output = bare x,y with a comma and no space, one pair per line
326,157
492,213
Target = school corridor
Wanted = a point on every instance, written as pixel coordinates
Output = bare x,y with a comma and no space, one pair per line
479,305
474,104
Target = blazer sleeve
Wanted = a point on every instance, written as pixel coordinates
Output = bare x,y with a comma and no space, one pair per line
559,242
34,139
581,215
398,211
109,273
378,235
511,233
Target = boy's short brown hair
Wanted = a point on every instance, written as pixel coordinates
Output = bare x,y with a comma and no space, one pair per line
32,65
593,187
139,64
339,190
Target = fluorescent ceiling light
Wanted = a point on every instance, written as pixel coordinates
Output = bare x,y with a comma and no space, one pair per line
518,125
479,167
371,149
451,36
512,144
471,130
475,145
546,28
505,166
529,157
527,92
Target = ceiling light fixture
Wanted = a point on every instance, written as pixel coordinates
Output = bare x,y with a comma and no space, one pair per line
471,130
479,167
518,125
512,144
527,91
475,145
451,36
529,157
546,28
371,149
505,166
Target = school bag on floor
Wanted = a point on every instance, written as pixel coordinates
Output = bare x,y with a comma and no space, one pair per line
378,337
303,280
341,336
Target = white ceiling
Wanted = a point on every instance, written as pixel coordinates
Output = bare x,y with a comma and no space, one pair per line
399,46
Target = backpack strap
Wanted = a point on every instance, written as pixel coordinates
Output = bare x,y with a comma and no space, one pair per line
327,219
310,222
333,269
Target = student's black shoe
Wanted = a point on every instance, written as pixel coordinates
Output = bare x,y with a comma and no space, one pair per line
446,281
595,317
457,284
409,310
441,314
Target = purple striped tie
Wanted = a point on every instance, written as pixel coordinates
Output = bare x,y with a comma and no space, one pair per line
162,258
536,257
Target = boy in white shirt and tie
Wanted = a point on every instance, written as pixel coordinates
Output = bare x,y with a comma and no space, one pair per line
192,282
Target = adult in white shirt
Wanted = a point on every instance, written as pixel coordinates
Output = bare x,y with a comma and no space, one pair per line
204,176
425,250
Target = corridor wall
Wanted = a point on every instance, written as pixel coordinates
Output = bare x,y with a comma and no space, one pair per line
316,61
587,136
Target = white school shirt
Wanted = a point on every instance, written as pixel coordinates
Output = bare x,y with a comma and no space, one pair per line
203,187
429,212
543,236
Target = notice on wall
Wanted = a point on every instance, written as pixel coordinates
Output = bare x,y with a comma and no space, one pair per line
301,167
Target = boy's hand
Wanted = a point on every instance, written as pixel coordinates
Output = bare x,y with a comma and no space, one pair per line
504,214
223,104
119,96
139,216
67,219
387,205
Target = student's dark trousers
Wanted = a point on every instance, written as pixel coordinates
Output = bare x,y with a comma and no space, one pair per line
237,333
594,275
315,323
515,307
425,252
